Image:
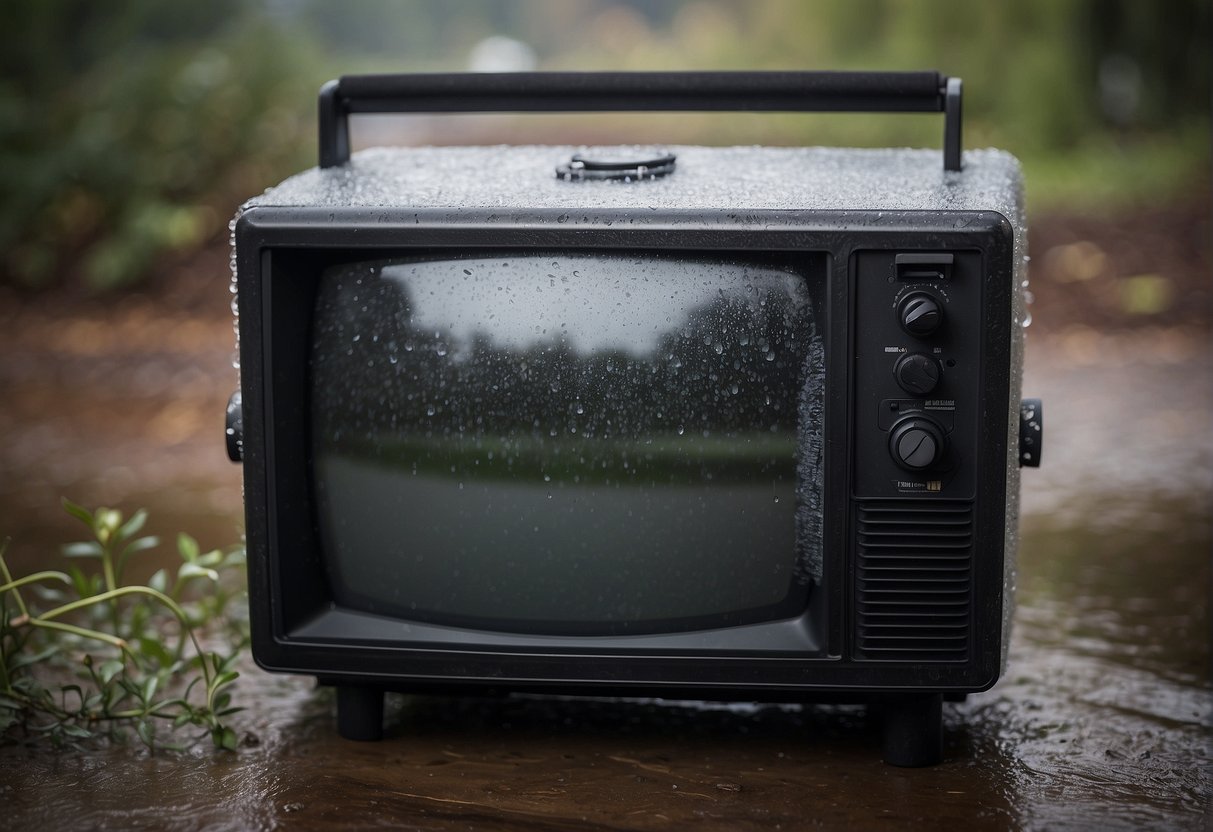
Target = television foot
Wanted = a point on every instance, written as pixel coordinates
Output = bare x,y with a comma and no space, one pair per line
360,713
913,730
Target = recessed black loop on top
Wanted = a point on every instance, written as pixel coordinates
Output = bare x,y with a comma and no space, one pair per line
893,92
582,168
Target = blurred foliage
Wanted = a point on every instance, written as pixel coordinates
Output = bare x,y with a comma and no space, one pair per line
129,130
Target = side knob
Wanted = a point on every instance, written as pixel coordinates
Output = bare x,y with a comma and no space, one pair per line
1031,432
235,428
920,313
916,443
917,373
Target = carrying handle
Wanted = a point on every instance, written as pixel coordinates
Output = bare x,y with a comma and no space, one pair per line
584,92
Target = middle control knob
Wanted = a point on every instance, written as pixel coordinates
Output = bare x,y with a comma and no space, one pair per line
917,373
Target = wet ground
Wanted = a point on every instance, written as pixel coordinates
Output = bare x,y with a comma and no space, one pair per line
1102,720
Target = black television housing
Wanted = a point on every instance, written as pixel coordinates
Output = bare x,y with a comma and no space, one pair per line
789,378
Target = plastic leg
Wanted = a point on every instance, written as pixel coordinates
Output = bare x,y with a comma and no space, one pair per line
360,713
913,730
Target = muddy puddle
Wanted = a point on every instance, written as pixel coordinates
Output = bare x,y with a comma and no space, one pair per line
1102,720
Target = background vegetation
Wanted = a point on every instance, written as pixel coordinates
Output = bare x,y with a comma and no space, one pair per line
130,130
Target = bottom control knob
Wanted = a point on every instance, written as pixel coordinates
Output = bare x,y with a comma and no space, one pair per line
916,443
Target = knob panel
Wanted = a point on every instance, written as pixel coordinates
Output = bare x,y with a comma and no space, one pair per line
920,401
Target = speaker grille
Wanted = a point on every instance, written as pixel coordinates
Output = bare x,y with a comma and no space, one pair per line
913,580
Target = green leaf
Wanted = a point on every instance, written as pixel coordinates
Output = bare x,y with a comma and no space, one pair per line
149,689
188,547
212,558
48,593
79,512
159,581
133,525
74,730
146,732
109,670
25,661
136,546
193,570
84,549
154,649
10,703
224,738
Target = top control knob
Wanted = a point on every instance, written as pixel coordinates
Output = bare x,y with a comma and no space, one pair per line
920,313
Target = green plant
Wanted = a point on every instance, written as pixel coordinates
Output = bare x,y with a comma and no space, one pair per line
106,656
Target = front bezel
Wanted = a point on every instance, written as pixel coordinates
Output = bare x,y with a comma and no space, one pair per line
280,255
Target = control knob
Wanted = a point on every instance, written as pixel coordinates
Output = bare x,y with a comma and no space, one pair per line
920,313
917,373
916,443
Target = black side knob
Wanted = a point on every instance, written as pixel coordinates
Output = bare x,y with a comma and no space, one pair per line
916,443
921,314
1031,432
235,428
917,373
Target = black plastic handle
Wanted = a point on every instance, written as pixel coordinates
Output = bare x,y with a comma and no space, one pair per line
871,92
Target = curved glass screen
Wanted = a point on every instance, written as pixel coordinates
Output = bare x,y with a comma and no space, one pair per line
592,444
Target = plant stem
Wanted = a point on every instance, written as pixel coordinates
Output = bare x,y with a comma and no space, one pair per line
82,632
8,579
34,578
172,605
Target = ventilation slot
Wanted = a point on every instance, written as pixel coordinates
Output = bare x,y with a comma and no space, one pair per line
913,580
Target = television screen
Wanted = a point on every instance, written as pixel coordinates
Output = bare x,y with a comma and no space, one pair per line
570,445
